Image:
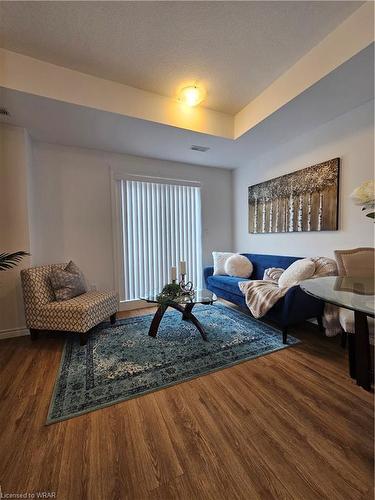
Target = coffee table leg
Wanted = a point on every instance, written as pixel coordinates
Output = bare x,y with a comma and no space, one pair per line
187,312
156,321
188,316
362,350
196,323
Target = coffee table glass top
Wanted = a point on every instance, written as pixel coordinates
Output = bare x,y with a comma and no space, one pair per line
344,291
201,296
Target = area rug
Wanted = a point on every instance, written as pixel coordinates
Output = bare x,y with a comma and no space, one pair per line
120,362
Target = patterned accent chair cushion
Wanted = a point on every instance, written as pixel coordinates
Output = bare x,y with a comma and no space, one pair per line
78,314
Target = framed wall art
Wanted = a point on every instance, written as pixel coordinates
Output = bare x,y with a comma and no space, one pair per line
305,200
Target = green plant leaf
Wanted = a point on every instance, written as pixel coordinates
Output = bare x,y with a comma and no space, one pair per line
9,260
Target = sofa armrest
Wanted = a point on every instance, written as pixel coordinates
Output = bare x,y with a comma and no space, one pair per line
291,295
298,306
207,271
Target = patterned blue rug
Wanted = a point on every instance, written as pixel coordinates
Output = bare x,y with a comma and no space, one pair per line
121,362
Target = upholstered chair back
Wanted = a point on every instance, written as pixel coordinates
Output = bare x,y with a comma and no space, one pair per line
358,262
37,290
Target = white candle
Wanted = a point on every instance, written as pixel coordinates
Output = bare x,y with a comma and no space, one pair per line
173,273
182,267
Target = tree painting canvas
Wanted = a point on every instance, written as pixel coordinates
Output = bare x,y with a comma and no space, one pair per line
305,200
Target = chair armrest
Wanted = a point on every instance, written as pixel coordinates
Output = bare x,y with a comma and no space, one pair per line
207,271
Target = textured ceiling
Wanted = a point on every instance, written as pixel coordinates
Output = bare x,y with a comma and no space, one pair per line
235,49
48,120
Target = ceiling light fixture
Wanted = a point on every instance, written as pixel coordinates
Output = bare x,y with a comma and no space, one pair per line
192,96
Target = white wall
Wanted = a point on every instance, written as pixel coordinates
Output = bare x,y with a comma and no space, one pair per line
350,137
64,211
14,225
71,205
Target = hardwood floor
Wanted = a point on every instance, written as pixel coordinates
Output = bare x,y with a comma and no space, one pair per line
289,425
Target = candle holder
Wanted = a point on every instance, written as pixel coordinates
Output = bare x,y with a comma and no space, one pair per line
186,287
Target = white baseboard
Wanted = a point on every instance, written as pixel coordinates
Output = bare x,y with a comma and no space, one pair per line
13,332
131,305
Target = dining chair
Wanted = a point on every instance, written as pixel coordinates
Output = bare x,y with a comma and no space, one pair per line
356,262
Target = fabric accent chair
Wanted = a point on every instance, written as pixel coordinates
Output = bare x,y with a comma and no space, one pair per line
358,262
78,315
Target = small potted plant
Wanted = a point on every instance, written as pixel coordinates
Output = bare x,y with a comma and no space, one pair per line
170,292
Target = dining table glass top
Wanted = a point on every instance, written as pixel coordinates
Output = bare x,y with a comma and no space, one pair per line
355,293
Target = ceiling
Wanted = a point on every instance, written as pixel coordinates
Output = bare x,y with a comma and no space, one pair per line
48,120
235,49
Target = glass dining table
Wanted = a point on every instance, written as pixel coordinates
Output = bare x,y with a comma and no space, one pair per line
356,294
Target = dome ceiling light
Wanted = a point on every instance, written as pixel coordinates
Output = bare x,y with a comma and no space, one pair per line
192,95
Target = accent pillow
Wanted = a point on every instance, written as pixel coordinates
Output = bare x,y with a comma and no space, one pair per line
68,282
238,265
273,274
300,270
220,259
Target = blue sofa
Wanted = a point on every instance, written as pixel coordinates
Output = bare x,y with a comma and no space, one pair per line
294,307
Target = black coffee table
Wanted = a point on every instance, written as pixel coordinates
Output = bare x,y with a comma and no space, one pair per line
184,304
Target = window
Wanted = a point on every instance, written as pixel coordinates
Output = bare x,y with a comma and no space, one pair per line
160,226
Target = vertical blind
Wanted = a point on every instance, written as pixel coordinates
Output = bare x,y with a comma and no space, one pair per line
161,226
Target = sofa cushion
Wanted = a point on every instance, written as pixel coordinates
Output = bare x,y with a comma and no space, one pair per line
238,265
261,262
220,259
298,271
227,283
273,274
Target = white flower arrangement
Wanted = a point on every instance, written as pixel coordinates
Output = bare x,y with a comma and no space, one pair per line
364,195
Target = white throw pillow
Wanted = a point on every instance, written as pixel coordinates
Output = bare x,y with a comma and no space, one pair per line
273,274
300,270
238,265
220,259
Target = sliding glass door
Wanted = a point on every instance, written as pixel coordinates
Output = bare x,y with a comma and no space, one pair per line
160,226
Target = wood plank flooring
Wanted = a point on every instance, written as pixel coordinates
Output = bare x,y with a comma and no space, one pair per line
290,425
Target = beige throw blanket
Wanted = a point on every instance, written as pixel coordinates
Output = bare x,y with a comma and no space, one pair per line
261,295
